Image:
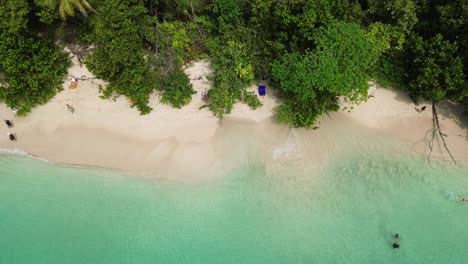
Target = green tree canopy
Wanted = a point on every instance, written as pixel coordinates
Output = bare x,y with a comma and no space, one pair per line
435,71
402,13
31,70
67,8
343,57
119,58
232,58
316,51
312,82
13,15
136,58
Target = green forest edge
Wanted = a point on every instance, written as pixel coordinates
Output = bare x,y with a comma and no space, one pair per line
314,52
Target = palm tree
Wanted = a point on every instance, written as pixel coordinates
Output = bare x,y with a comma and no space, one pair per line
67,7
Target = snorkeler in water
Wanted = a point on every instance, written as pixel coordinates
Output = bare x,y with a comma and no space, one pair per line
397,241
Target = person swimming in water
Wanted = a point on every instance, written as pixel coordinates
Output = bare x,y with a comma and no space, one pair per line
397,241
462,200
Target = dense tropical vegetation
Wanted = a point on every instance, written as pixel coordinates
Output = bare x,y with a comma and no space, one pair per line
314,52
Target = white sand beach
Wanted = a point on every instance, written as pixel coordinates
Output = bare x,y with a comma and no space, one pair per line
393,113
190,141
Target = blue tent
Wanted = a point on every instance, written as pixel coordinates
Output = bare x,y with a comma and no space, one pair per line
262,90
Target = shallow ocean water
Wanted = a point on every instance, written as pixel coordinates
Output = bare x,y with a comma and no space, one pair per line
348,214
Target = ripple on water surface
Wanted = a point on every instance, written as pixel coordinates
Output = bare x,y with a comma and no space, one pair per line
52,214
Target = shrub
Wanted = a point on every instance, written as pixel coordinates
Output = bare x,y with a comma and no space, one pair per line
31,71
178,89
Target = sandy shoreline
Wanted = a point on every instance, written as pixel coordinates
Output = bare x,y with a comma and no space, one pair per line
393,113
189,141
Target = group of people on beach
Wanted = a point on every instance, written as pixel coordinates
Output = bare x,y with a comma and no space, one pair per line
9,124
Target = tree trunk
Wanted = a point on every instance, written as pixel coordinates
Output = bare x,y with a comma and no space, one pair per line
437,133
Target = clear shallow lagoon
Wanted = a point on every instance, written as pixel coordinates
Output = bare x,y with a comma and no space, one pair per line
52,214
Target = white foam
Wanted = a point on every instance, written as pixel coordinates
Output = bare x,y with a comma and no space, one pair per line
16,152
19,152
286,151
289,150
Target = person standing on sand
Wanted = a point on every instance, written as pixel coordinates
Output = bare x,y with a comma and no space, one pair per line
11,136
420,110
9,123
70,108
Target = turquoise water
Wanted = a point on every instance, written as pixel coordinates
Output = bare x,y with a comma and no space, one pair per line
51,214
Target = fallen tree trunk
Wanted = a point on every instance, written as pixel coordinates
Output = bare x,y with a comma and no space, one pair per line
437,133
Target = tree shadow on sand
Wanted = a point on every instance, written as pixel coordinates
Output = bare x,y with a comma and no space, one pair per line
447,110
454,112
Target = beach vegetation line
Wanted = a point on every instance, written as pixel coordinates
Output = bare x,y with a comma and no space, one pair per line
314,53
